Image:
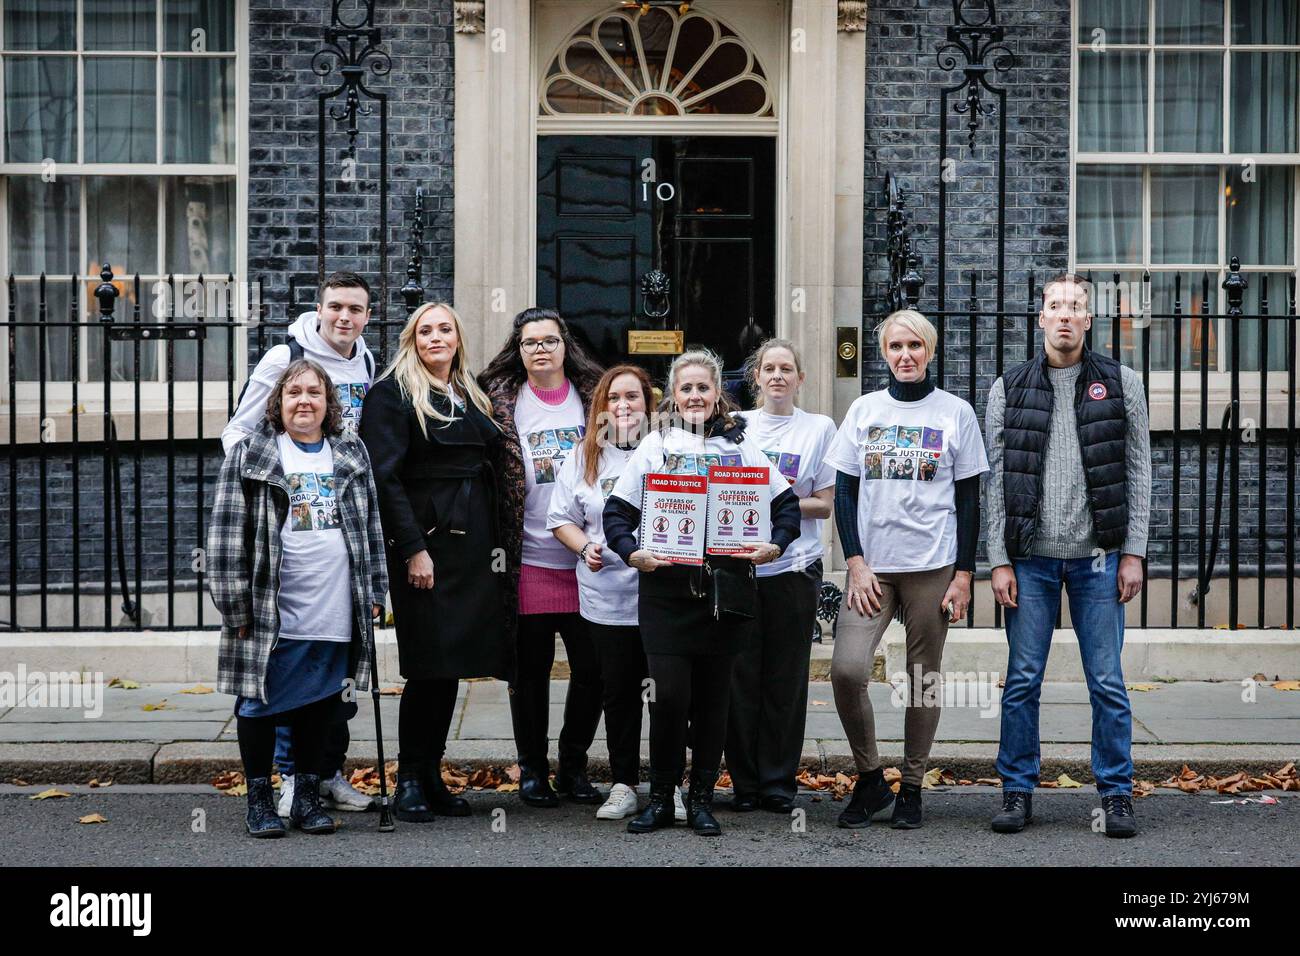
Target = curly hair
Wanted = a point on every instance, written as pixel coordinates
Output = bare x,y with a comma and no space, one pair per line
508,366
333,424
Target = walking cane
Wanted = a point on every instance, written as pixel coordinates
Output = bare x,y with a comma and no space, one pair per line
385,814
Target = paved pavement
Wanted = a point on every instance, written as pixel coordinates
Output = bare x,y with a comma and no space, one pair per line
185,826
156,734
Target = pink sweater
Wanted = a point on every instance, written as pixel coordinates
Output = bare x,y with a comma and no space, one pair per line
548,590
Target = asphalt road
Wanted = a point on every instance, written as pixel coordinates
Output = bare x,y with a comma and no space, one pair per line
196,826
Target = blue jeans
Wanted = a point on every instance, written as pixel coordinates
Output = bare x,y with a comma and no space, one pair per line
335,745
1098,619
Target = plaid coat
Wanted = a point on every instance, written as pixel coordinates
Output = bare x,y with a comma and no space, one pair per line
244,553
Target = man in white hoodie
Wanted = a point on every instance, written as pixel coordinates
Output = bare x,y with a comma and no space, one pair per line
330,336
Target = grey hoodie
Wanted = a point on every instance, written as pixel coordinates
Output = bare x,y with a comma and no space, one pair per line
351,377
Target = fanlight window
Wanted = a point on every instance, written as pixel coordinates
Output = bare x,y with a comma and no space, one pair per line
655,61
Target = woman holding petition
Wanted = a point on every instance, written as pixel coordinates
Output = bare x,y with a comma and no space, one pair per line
607,588
907,507
294,568
539,384
431,437
691,631
769,687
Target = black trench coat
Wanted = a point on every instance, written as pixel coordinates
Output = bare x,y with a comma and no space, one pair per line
438,494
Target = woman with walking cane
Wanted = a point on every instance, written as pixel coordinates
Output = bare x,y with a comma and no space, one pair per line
294,569
431,437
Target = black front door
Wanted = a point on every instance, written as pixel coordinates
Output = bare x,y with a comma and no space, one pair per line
700,209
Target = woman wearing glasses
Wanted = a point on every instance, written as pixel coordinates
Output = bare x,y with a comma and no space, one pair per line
540,386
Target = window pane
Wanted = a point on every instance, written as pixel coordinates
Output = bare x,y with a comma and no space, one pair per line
1189,21
1264,102
40,24
1108,218
1266,21
57,339
1112,101
1260,216
1190,297
1189,102
1118,303
1184,214
1275,285
120,25
122,224
44,223
120,109
215,18
40,109
204,303
124,369
200,125
200,225
1123,21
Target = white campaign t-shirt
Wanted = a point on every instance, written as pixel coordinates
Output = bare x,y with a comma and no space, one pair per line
315,596
679,452
908,455
797,444
607,596
548,435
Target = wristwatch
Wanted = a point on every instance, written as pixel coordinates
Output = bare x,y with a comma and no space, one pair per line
582,553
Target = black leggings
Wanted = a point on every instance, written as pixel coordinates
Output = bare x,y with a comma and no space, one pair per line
307,727
530,692
688,688
424,720
622,670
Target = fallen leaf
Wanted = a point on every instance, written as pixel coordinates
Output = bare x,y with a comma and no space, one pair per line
123,683
239,790
46,794
1261,678
96,782
227,779
1066,782
1142,687
508,788
990,781
92,818
1287,685
197,689
161,705
390,692
724,782
18,782
819,703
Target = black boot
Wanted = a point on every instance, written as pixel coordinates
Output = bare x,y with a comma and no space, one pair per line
1017,810
870,795
699,804
907,807
262,820
306,813
410,803
535,785
577,787
441,800
659,811
1120,821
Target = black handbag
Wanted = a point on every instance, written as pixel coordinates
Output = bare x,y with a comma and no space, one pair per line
733,587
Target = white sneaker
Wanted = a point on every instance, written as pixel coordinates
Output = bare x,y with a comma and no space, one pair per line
679,808
620,803
286,797
337,793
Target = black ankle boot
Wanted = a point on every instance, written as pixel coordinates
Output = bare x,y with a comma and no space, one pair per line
699,804
659,811
262,820
535,785
577,787
410,803
306,813
1017,810
907,807
441,800
870,795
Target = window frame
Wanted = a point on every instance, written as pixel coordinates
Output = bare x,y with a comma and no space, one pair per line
1160,382
154,397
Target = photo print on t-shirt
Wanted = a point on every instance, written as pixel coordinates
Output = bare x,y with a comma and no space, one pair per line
351,398
548,449
675,464
313,505
902,452
607,486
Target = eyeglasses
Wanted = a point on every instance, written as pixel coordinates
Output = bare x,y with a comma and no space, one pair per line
548,344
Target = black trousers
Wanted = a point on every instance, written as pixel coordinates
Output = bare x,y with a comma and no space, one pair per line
694,691
424,720
307,728
769,687
530,693
623,668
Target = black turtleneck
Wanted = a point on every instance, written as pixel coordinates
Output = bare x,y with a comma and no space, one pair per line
966,492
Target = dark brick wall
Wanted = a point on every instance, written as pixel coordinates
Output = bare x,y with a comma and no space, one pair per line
283,138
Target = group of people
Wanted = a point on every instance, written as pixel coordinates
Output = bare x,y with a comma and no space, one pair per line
496,512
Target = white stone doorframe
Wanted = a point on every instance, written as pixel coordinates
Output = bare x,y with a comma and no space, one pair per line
820,165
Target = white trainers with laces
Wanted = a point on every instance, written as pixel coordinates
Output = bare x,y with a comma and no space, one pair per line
679,808
337,793
620,803
286,797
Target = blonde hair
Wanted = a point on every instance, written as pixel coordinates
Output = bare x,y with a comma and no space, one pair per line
704,358
914,322
755,362
415,380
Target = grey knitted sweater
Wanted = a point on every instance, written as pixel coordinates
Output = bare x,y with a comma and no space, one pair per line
1064,521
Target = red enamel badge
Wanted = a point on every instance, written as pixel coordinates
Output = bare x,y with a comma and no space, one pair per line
1097,391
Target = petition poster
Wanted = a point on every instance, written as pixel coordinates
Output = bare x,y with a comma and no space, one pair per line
672,516
739,509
